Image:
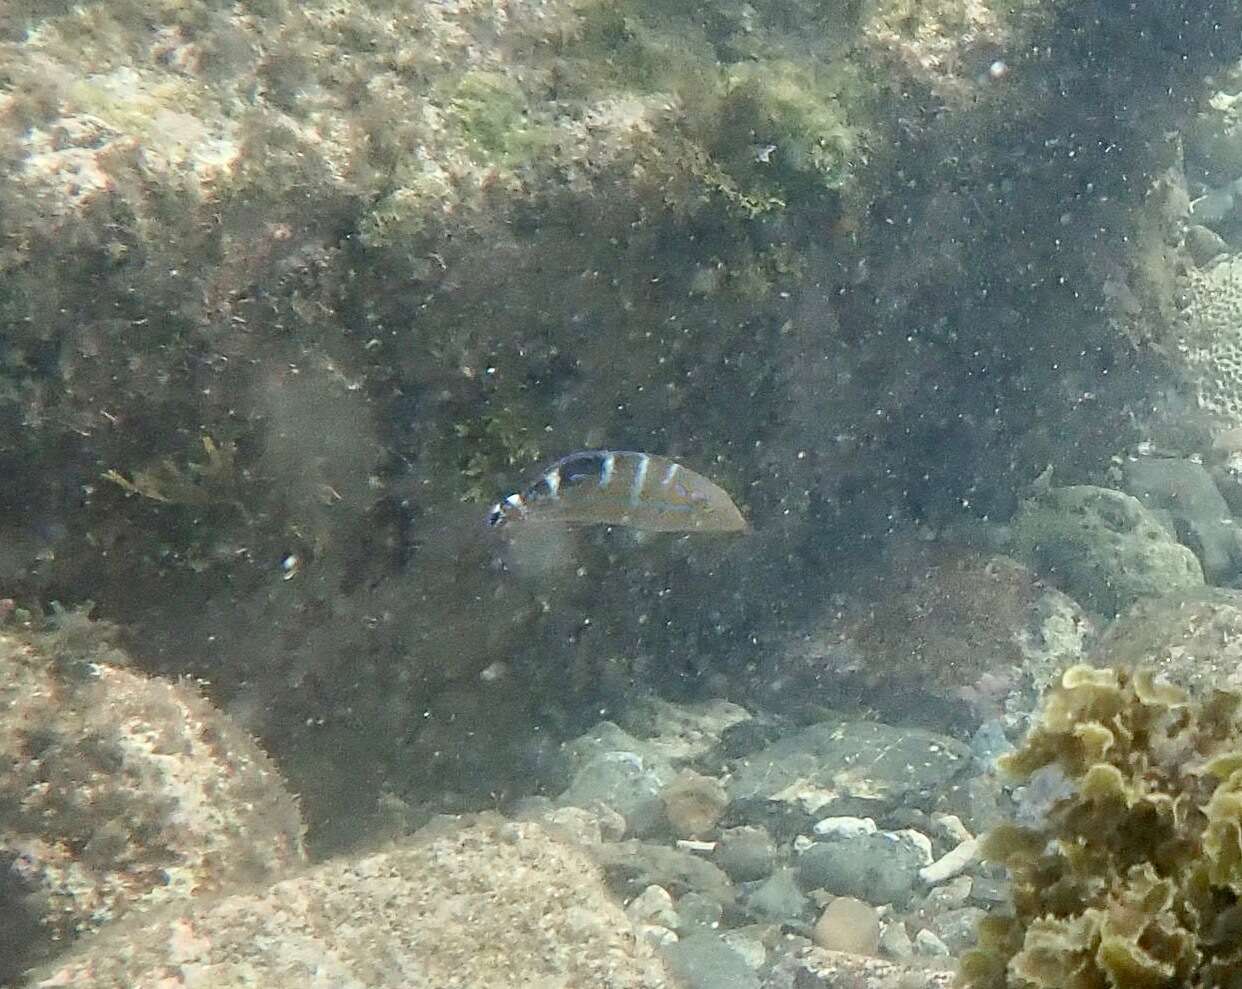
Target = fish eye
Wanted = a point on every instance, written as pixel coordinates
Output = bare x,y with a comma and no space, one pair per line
496,517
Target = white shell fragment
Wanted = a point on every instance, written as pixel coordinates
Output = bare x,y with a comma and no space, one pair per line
951,863
844,827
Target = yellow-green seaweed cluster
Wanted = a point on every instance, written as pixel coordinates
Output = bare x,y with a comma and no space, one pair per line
1133,881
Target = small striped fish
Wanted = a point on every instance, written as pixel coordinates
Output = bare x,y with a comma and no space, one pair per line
619,487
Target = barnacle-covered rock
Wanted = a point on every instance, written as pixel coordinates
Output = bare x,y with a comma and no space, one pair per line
1210,338
1133,877
502,906
119,792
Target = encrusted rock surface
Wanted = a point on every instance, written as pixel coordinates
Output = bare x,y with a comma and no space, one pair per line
1211,337
1192,639
498,905
121,791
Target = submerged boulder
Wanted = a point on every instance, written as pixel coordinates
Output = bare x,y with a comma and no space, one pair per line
1103,547
120,792
500,906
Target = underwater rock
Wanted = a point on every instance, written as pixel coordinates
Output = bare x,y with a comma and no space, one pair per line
777,899
1213,138
809,967
1102,547
879,868
452,910
929,944
1184,493
948,47
120,792
939,635
705,961
957,928
1193,639
848,924
1132,877
653,906
858,768
693,803
951,863
1209,338
895,941
680,733
1204,245
746,854
631,866
622,782
696,911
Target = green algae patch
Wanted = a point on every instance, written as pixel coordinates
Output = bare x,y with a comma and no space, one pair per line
1130,879
495,118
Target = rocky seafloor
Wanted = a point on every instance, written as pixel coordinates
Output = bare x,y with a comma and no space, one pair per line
949,296
708,844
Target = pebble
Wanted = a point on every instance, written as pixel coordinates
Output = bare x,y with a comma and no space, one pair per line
777,899
848,924
745,854
926,943
693,804
952,894
654,905
895,941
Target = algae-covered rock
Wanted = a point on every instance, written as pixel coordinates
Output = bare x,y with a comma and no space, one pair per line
498,906
119,792
938,634
1133,877
1102,547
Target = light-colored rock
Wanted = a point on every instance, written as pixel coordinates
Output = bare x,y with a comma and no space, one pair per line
928,943
848,924
844,827
455,912
122,791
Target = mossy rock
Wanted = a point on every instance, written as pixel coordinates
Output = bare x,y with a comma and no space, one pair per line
1102,547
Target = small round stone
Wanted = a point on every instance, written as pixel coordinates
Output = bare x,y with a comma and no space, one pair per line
693,804
849,925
